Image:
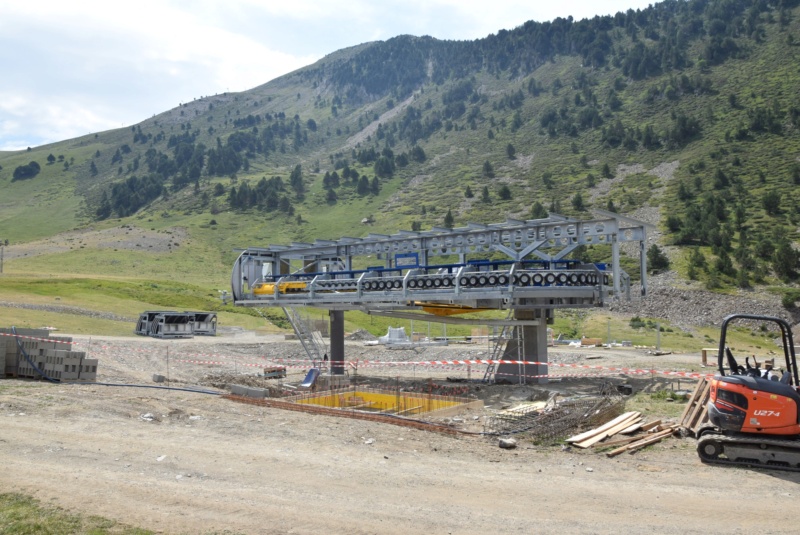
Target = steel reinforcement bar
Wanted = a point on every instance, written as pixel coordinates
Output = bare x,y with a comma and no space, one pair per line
357,415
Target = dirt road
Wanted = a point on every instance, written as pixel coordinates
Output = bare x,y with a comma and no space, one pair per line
181,462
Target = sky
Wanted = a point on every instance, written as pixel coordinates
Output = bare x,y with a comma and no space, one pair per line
68,69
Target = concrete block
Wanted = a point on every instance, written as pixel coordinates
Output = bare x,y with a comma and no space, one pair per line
238,390
256,393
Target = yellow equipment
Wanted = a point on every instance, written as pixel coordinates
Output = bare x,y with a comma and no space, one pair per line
262,288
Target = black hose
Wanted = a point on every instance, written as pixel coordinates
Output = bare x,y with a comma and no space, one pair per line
193,390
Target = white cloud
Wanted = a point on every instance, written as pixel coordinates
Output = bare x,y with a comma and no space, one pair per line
72,68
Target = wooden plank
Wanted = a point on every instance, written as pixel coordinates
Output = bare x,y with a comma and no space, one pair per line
633,446
701,399
702,419
693,399
651,425
607,425
608,432
632,429
698,416
619,441
658,437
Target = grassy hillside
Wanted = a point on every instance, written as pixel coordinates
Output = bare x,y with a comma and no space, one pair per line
687,107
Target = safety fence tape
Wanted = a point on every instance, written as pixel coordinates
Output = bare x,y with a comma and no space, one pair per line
53,340
304,363
438,368
442,365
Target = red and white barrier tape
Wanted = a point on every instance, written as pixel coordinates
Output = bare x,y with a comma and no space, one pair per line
221,360
51,340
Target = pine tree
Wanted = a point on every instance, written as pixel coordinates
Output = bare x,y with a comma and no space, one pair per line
296,180
784,260
577,202
538,211
448,219
656,258
488,170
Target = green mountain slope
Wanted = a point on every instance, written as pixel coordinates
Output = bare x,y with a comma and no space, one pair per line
690,108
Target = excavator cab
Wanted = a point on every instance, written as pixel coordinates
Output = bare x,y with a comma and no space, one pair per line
755,416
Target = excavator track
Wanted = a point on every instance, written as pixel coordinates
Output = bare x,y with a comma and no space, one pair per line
750,451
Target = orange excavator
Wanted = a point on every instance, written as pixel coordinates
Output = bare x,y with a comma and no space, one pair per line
754,414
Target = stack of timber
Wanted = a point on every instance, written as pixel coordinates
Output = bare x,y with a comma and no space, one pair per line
633,444
621,423
625,424
695,415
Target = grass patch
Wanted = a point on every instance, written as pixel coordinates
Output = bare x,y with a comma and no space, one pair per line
124,298
661,404
23,515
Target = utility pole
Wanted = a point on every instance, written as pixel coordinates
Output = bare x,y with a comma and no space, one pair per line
2,250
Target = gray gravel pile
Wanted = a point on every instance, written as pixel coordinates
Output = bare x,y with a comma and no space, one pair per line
687,305
64,309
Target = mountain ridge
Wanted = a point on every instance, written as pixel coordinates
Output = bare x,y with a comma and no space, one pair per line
560,116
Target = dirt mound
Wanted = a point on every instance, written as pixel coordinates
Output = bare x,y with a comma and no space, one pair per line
224,381
361,335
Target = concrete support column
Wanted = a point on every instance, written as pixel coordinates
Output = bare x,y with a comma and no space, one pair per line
615,268
337,341
527,343
643,264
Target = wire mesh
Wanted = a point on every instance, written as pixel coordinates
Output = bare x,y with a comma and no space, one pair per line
558,418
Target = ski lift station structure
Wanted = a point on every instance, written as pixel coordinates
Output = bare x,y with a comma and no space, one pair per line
418,279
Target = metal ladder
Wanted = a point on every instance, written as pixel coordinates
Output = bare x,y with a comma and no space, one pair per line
311,341
498,349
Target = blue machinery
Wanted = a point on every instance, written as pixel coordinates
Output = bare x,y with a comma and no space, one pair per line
532,278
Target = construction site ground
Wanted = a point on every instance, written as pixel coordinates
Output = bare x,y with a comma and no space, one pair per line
173,461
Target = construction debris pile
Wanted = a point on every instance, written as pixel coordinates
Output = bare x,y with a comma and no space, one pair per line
640,433
551,421
630,423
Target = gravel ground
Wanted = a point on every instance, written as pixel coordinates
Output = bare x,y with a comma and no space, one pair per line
181,462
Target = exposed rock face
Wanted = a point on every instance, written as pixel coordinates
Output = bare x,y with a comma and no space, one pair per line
686,305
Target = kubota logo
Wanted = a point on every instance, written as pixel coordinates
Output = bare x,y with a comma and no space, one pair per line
766,413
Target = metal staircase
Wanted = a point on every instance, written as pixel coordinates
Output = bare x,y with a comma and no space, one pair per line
499,348
311,340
